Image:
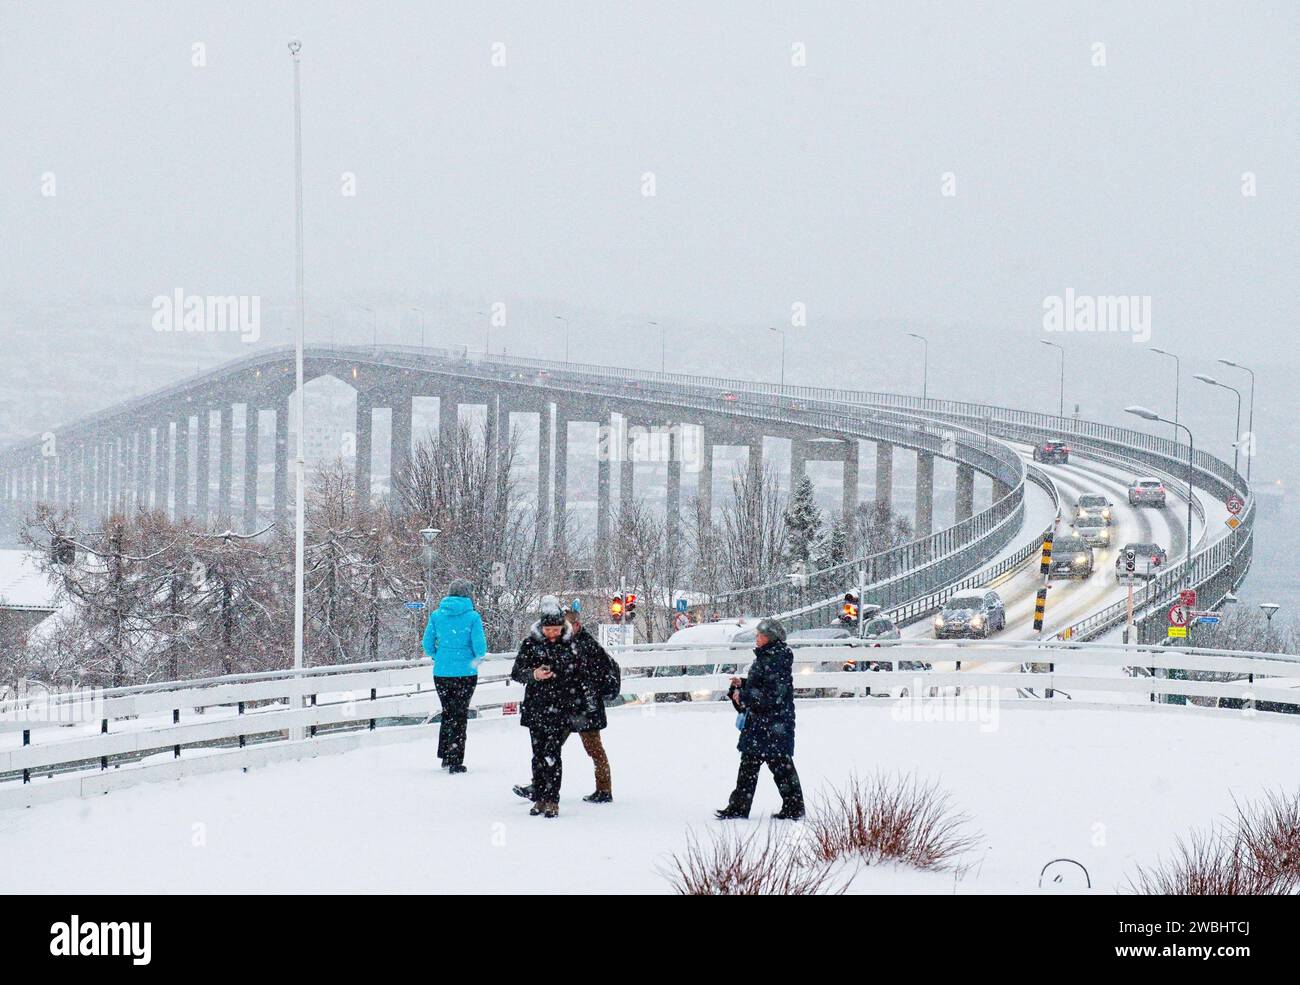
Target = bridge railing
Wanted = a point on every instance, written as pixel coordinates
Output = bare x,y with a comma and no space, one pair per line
53,746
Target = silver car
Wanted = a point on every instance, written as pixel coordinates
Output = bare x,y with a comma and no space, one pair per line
1092,505
1146,492
971,614
1094,531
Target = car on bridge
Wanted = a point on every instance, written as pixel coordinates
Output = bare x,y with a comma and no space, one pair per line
1149,560
1092,504
1094,530
1147,492
972,615
1054,450
1071,558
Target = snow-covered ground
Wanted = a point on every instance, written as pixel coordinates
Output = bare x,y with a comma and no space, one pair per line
1108,788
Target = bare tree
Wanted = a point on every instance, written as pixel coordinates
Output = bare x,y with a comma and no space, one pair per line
876,527
753,530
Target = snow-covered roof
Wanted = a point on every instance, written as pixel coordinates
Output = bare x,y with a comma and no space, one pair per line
22,586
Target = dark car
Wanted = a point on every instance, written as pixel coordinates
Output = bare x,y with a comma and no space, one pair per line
1071,558
1092,505
1052,450
971,614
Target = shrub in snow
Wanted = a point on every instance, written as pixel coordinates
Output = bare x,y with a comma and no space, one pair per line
890,819
1256,853
765,862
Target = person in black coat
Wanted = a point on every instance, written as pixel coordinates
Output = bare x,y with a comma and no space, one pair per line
548,667
599,679
766,700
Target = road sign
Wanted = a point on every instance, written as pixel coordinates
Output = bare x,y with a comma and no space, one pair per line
1233,522
611,634
1187,598
510,708
1235,504
413,605
1177,615
1177,632
680,605
1208,618
1040,605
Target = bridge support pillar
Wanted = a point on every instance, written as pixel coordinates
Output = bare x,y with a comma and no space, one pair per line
673,494
280,494
885,474
850,480
965,492
162,453
924,494
626,467
605,445
545,431
365,425
798,462
225,469
203,451
252,432
399,440
704,487
448,420
561,481
182,466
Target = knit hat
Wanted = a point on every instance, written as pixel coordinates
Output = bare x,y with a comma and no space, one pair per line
552,613
771,628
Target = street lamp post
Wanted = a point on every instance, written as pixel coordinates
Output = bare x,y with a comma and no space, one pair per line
374,324
1178,374
566,336
1060,412
1236,436
925,364
295,48
1250,424
663,346
428,535
1151,415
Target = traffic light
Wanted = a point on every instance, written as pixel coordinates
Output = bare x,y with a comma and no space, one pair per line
616,608
629,607
849,610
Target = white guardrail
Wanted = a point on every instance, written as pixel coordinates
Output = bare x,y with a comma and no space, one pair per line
88,742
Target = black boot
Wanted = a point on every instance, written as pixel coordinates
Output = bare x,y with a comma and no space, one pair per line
789,813
599,797
522,790
456,768
730,814
536,809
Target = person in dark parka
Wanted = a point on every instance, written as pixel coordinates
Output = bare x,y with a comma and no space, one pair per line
766,700
599,679
547,665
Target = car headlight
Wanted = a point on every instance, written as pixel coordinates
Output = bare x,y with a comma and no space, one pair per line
977,620
1105,514
1081,559
938,622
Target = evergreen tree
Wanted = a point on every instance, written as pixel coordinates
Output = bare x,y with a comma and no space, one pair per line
803,524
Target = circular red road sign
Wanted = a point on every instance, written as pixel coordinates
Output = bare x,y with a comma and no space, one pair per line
1235,504
1178,615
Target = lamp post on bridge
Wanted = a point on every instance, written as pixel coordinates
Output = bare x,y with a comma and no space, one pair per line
1250,425
1178,375
566,336
925,364
1060,410
428,535
1236,437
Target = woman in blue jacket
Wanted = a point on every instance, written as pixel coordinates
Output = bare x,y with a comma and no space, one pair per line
454,639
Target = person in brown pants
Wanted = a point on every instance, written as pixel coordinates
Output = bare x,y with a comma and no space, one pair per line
600,679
